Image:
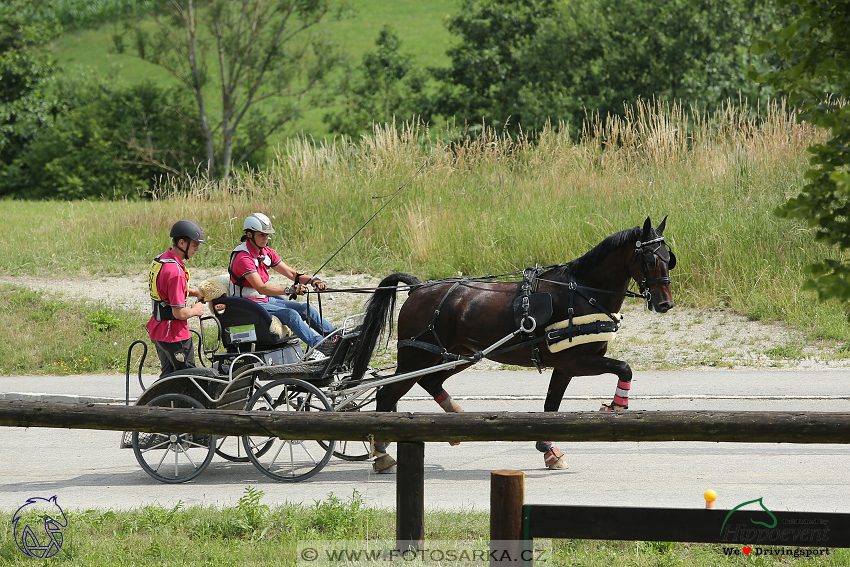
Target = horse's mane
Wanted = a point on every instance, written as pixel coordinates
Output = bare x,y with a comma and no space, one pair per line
601,250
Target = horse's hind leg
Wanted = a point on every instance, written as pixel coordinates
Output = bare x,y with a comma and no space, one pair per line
552,456
386,400
433,384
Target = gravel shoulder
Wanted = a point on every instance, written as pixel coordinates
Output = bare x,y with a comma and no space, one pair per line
680,339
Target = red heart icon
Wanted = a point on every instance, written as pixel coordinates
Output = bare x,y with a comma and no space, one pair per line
747,550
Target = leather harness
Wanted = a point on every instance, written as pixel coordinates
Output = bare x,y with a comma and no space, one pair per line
530,308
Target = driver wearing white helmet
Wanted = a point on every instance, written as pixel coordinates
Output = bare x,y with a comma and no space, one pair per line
250,263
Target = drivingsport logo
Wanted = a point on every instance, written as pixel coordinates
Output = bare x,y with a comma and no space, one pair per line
770,525
762,527
38,527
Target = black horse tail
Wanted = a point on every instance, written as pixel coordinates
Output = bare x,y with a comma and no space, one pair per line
379,313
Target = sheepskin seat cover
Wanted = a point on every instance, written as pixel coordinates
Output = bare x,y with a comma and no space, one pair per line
217,286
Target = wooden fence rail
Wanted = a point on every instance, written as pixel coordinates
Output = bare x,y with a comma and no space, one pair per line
412,430
717,426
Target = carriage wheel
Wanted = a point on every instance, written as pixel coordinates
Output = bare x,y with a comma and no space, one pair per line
356,450
174,457
232,449
288,460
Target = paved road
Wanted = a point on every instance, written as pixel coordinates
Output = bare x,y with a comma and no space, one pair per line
87,470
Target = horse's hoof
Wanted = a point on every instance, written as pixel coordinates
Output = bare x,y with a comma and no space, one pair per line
612,407
554,459
384,464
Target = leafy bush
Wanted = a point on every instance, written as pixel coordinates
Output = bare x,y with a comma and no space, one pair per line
386,86
26,69
112,141
530,61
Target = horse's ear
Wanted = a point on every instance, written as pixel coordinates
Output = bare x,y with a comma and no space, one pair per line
647,227
660,228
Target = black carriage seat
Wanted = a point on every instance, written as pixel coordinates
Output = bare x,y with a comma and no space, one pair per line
243,322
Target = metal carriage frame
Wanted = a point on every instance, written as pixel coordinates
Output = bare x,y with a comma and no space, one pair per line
246,376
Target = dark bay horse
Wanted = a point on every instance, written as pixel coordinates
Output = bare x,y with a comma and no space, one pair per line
443,319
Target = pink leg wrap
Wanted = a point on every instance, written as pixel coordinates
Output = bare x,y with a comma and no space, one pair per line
449,406
621,396
447,403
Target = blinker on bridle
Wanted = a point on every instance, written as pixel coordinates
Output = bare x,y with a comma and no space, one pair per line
650,262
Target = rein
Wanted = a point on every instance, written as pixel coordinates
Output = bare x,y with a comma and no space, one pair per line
529,285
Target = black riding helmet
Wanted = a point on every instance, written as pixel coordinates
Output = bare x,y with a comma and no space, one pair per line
187,229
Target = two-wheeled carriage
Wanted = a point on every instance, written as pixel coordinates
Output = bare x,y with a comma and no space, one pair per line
254,364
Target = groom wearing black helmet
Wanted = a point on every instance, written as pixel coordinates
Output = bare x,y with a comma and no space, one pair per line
168,283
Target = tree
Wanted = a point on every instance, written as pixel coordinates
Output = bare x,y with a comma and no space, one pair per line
110,140
265,56
534,61
26,69
815,68
484,77
387,86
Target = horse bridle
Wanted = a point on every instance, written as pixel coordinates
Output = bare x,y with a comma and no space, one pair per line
649,261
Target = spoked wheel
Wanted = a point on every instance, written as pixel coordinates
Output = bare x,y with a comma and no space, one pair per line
288,460
174,457
355,450
232,449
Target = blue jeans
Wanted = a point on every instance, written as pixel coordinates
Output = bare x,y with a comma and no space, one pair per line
294,315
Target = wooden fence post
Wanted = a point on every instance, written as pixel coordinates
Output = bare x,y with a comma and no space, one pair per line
507,495
410,496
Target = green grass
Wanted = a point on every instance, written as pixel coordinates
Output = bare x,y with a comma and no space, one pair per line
255,533
420,25
493,205
48,335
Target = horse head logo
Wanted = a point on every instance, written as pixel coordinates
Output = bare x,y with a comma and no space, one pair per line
763,507
45,540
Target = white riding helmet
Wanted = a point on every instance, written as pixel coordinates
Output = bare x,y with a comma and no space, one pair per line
258,222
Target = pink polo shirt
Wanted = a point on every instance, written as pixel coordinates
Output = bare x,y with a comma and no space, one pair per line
173,287
244,263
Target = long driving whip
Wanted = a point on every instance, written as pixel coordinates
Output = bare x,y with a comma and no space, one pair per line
393,196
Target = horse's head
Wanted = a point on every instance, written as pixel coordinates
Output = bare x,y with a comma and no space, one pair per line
650,267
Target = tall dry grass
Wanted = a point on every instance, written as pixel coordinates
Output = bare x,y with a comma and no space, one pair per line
497,203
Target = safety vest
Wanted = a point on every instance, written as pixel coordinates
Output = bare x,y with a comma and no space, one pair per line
160,307
236,287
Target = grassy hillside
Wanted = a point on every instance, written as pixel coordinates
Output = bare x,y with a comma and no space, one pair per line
420,25
490,206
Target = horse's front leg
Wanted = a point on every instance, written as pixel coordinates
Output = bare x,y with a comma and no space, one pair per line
552,456
624,383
